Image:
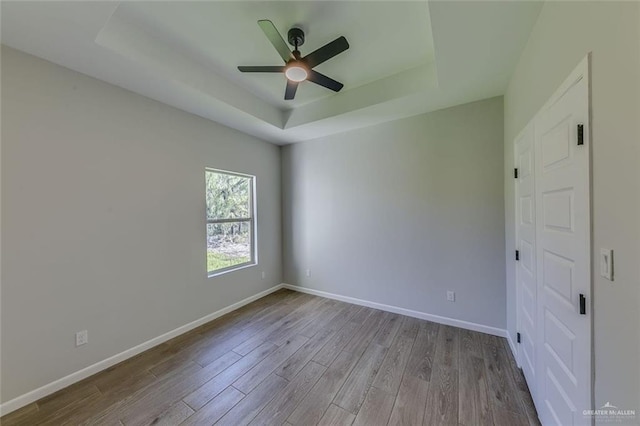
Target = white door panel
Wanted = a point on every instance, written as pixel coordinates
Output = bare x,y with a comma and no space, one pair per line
563,257
525,244
553,237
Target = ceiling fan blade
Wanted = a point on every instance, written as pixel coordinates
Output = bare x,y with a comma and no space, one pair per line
324,81
259,68
326,52
276,39
290,91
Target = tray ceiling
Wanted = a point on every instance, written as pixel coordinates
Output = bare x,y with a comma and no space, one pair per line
405,58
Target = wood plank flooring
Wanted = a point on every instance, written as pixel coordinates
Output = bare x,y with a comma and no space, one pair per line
295,359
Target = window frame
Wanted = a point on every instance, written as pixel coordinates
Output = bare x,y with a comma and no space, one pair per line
253,261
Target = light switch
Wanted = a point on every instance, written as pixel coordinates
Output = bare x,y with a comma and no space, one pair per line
606,264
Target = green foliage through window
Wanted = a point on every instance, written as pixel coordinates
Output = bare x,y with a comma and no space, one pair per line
228,196
229,220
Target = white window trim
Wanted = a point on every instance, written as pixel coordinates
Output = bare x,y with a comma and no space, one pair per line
252,224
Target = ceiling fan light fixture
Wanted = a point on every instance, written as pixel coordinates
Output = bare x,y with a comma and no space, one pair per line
297,68
296,72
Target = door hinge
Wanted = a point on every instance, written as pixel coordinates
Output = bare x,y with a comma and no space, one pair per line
518,337
580,134
517,254
515,173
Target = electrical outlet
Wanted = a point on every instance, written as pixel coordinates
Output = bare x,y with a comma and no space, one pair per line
451,296
263,275
308,272
82,338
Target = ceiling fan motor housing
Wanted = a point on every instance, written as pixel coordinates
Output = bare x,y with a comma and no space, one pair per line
295,37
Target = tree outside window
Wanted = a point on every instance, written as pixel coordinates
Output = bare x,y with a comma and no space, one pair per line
230,221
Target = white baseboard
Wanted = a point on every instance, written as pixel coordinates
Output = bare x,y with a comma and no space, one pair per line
72,378
402,311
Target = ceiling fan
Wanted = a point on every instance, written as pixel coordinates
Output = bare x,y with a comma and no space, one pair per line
298,68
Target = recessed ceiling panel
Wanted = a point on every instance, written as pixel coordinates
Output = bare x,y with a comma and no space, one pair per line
385,38
406,58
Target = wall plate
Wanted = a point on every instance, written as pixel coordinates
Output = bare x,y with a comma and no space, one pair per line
606,263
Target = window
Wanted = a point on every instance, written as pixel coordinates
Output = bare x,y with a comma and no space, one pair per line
230,221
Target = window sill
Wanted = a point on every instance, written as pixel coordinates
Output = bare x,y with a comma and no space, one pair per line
234,268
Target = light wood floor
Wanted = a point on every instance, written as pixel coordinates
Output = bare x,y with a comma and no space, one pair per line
295,359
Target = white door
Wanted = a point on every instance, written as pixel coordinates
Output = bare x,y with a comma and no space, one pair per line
563,254
526,246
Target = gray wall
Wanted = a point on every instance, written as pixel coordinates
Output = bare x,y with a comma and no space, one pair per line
611,31
401,212
103,219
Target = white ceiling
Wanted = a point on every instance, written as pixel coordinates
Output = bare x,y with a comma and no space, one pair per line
223,35
405,58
